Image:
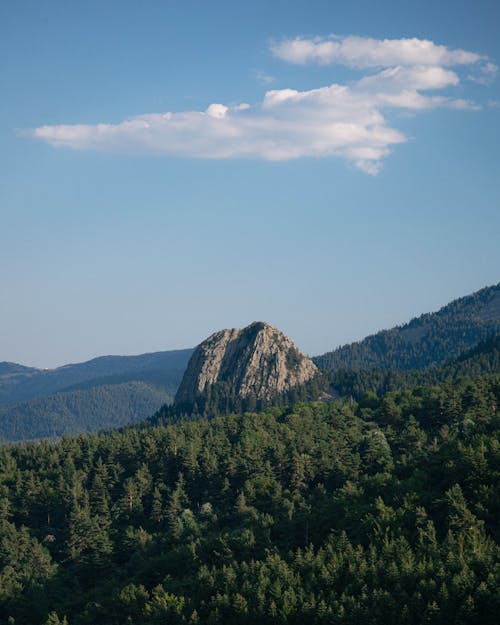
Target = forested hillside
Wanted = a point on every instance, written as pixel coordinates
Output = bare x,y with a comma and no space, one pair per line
20,384
91,409
382,512
483,359
10,368
428,350
105,392
431,339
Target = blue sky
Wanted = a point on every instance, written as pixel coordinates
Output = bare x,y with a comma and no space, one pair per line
361,191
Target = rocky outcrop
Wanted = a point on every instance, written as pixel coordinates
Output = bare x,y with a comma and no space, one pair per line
258,361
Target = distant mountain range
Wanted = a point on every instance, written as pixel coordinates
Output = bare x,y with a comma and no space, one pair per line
109,391
85,410
101,393
19,383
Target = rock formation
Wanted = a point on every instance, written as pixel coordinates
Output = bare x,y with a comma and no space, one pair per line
258,361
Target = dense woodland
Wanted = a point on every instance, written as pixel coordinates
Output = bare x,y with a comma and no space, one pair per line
483,359
222,398
433,339
382,511
368,495
82,410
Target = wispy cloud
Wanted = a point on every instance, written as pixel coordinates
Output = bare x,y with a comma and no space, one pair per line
263,77
347,121
363,52
485,75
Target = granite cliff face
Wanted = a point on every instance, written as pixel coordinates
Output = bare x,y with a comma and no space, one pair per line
258,360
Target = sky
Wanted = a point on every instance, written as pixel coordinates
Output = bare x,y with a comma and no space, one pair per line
168,169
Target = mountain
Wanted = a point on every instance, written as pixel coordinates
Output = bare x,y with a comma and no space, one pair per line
431,339
10,368
105,392
247,369
234,368
20,384
482,360
324,512
98,407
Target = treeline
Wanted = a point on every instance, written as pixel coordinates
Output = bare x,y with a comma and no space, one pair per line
483,359
221,398
380,512
432,339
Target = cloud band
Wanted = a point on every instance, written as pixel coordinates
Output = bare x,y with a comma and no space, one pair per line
347,121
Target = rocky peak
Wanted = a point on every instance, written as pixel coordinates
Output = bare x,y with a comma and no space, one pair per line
258,360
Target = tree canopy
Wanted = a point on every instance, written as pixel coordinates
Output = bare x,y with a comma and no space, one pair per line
382,510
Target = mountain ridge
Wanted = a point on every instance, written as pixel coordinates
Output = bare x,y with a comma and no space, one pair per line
79,411
482,360
29,383
425,343
105,392
430,339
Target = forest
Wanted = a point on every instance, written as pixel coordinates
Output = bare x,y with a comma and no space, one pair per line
380,510
433,339
81,410
482,359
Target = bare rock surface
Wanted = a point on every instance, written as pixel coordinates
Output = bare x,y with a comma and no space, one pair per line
258,360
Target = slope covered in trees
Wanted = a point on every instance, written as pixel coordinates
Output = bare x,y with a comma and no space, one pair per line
431,339
382,512
389,360
105,392
12,368
89,409
481,360
20,384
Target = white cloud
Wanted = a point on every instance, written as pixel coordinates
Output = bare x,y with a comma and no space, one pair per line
364,52
419,77
486,74
347,121
217,110
263,77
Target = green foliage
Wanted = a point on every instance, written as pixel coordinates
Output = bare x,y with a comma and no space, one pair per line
382,511
221,398
432,339
483,359
82,410
53,619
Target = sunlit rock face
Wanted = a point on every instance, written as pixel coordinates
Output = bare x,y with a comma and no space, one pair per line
258,360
